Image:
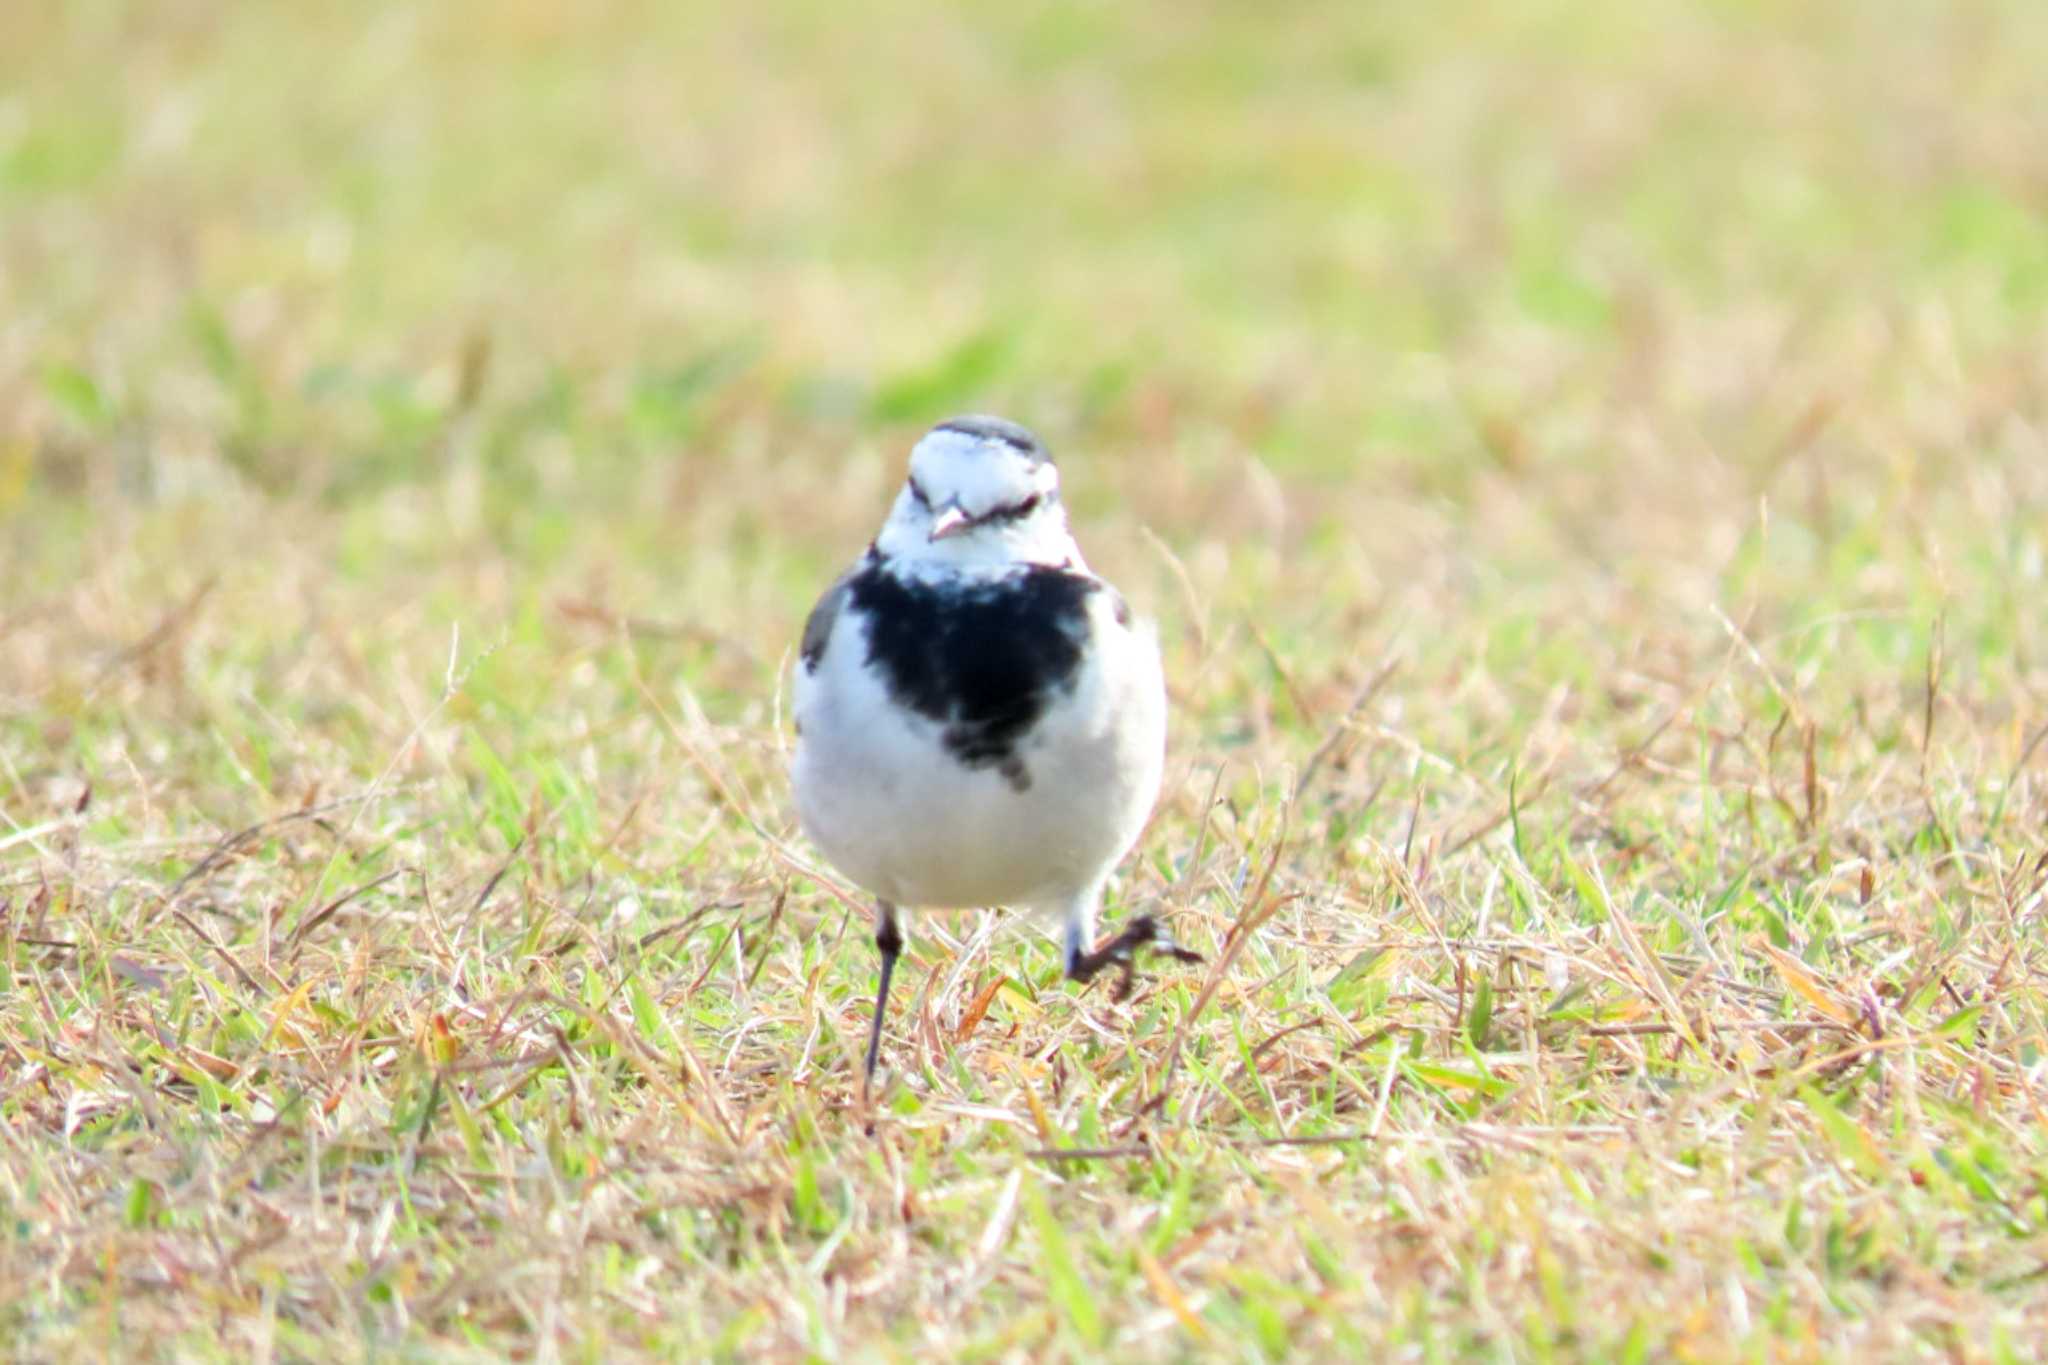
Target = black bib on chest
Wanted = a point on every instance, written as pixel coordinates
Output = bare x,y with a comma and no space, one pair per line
984,660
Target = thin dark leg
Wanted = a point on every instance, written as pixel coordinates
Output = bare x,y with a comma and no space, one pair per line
888,938
1142,932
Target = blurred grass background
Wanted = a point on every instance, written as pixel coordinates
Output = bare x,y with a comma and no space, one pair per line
458,407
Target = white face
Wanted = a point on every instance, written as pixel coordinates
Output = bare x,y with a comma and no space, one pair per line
977,500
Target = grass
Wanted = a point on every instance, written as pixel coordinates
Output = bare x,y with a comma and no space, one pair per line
1588,465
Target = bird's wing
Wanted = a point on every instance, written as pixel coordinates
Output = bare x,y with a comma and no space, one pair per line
818,627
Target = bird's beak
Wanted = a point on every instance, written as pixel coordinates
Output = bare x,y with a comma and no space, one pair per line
951,521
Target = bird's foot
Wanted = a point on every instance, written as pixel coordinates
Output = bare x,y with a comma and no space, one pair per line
1122,951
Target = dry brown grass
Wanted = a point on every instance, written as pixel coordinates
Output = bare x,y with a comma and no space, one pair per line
1589,468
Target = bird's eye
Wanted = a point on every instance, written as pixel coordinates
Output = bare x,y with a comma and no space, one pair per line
918,493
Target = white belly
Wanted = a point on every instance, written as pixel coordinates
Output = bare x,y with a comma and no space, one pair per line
895,811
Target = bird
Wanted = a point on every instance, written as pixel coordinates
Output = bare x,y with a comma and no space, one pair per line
981,720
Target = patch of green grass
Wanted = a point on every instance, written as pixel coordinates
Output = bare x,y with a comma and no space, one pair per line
1586,464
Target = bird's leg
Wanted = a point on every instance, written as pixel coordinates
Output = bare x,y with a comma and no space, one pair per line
888,938
1144,931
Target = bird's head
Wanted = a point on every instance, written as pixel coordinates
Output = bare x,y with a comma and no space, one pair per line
982,492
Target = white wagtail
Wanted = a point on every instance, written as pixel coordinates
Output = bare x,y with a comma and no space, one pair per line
980,721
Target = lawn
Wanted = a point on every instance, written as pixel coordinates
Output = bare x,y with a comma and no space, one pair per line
1588,461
